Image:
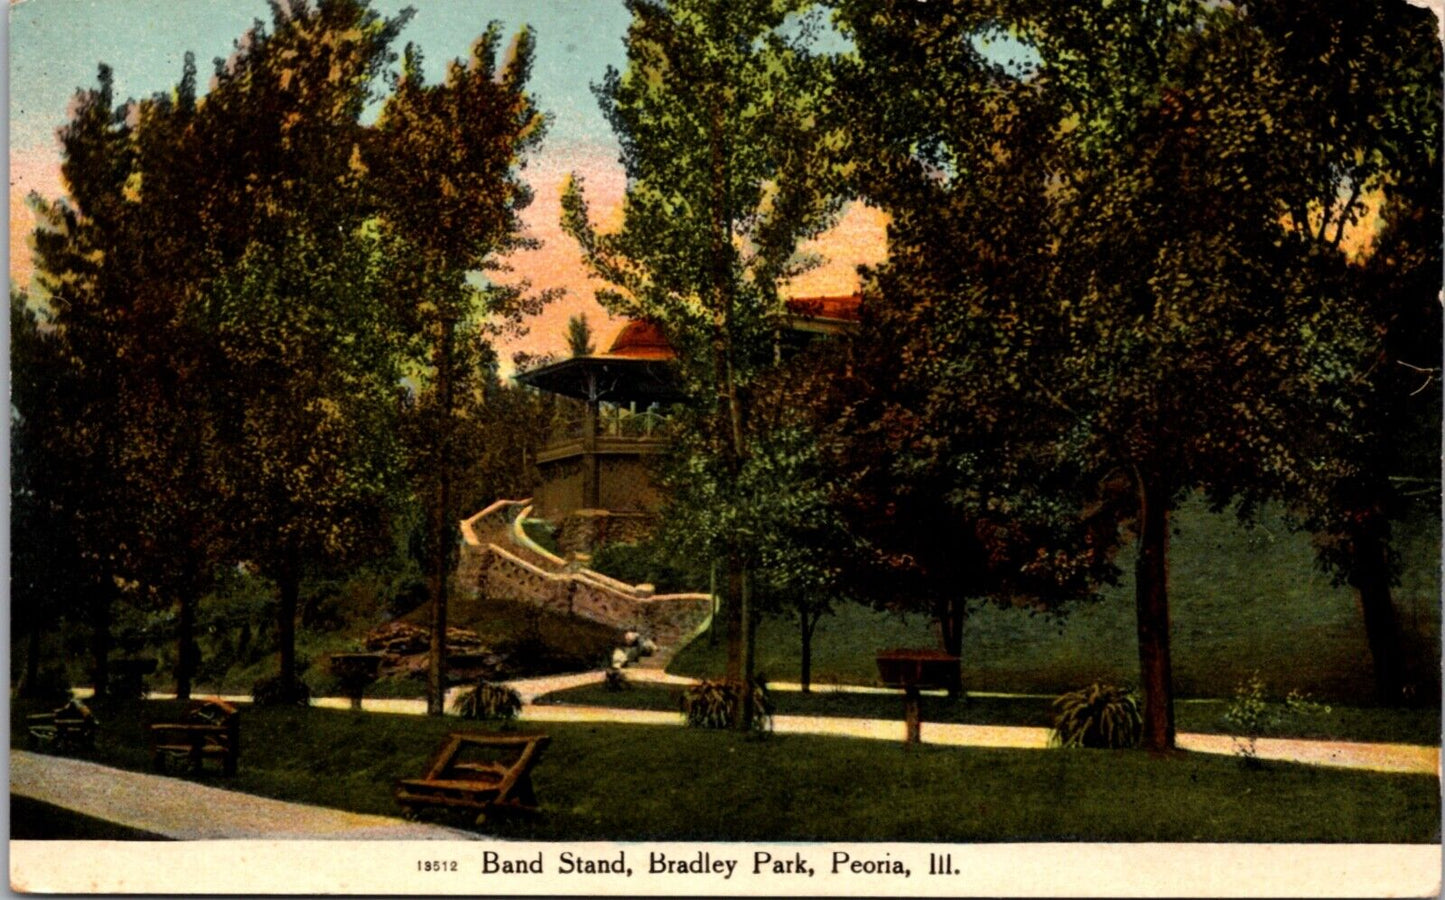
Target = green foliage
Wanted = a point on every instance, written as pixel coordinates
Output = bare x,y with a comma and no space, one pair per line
489,702
650,562
445,161
727,169
1100,716
715,704
278,691
1249,715
1234,590
224,278
1111,280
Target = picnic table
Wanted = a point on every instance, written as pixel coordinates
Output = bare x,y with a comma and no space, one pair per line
71,727
210,729
474,771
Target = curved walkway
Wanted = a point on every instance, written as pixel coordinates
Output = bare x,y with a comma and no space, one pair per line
183,810
1377,757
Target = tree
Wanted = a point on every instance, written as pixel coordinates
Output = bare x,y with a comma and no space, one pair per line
1105,239
726,172
1374,147
945,462
579,336
171,444
93,313
187,271
445,168
302,368
803,543
45,568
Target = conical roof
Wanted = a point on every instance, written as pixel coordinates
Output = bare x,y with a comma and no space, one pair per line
641,340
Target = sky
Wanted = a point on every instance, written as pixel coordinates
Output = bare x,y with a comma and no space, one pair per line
56,45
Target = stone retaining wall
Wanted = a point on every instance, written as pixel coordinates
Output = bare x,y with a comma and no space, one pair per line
507,571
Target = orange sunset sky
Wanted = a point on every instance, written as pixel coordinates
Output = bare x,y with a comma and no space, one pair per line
57,44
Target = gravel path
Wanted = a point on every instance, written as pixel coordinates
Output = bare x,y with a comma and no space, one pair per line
184,810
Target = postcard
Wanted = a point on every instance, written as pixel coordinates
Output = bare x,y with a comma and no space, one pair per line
684,447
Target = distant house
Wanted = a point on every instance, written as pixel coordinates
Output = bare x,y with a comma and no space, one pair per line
595,474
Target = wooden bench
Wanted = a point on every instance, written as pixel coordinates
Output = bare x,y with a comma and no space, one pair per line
210,729
456,779
71,727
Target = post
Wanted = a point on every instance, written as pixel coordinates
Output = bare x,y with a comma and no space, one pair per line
591,489
912,715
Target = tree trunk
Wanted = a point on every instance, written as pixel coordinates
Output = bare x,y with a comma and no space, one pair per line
717,607
951,615
436,683
805,675
1151,597
1370,577
439,552
727,409
185,642
732,612
289,584
32,659
745,715
100,609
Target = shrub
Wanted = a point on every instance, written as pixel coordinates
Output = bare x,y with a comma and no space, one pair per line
1100,715
274,691
1249,716
488,700
647,563
713,704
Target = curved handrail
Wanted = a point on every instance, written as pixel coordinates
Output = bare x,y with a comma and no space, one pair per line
468,525
521,538
518,535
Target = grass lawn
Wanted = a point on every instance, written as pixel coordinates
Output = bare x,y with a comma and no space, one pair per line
623,782
1241,599
1403,726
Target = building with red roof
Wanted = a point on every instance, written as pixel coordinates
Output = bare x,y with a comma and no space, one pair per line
597,462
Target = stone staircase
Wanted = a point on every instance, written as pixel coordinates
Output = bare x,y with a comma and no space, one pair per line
498,559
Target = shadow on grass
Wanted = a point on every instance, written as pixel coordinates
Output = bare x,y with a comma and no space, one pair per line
31,820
